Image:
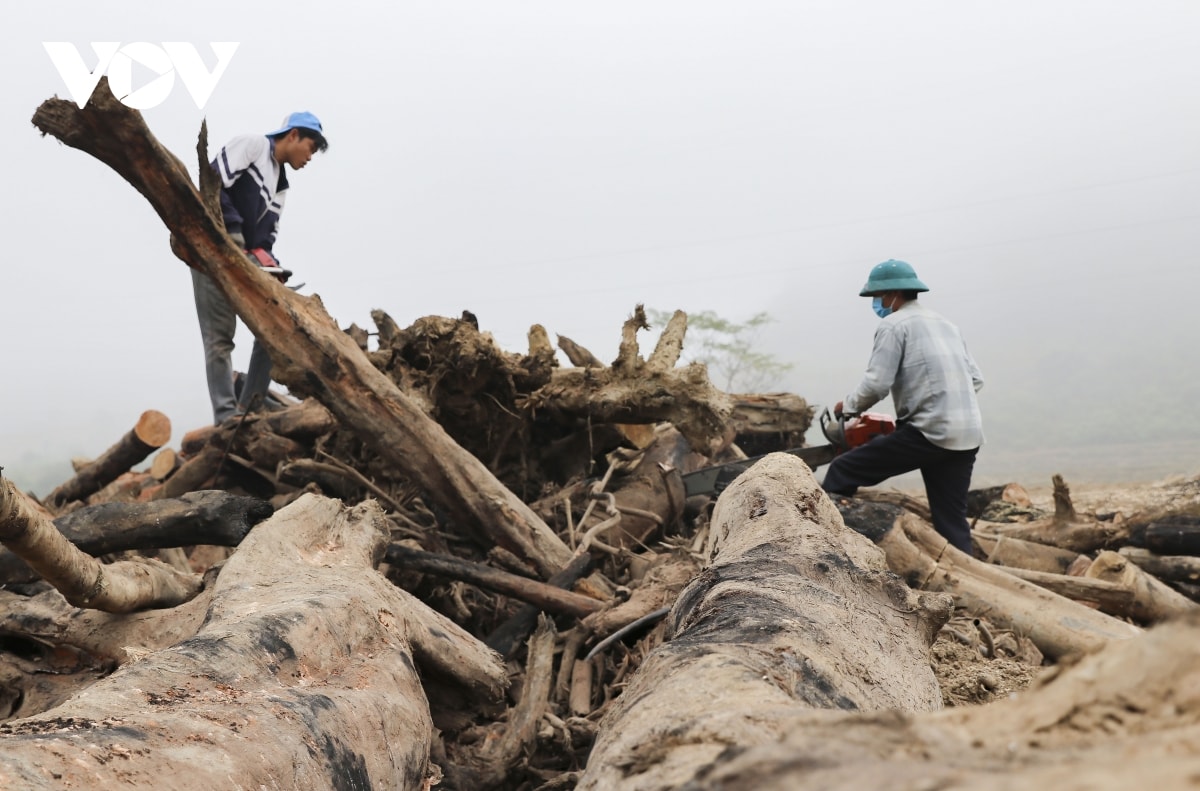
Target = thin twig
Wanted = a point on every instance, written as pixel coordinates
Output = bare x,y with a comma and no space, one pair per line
228,445
624,630
338,465
988,644
570,521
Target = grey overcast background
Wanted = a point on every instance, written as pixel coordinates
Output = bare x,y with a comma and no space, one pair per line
560,162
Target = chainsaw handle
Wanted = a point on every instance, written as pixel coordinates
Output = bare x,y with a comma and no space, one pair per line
834,438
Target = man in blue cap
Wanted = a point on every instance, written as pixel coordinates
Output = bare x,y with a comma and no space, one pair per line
921,359
253,187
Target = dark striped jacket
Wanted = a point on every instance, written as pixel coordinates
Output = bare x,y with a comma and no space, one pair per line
253,188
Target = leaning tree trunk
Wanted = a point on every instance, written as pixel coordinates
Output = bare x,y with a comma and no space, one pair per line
794,611
304,675
297,331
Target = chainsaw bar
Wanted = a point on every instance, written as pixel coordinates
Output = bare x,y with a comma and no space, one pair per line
713,480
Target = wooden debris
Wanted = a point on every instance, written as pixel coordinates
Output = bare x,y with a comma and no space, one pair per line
1151,599
152,431
124,586
209,517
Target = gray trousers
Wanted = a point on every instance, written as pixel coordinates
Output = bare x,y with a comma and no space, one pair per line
218,322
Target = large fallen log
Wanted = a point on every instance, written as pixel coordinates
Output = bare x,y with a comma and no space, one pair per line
152,431
304,675
1169,534
299,335
792,611
1125,717
1012,552
210,517
124,586
1110,597
766,422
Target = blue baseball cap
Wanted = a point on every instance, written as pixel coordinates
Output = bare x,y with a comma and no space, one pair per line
300,120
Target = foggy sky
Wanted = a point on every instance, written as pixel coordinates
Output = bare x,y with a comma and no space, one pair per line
559,163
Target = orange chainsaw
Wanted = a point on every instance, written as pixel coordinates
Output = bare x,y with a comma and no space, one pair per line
843,434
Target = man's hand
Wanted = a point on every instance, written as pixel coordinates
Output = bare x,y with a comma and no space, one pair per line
837,409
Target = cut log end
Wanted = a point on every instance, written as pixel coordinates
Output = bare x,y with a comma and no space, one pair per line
153,428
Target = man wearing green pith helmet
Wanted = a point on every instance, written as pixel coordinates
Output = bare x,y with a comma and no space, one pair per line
921,359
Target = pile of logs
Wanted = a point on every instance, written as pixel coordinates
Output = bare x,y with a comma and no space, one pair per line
437,564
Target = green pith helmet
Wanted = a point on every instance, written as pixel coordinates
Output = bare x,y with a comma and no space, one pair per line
892,275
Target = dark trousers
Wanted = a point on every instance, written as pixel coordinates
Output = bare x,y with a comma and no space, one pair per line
947,476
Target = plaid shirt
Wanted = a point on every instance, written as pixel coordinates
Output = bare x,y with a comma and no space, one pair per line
922,360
